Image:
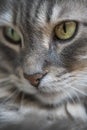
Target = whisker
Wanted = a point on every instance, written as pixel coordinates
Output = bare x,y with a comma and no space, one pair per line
8,98
74,91
81,92
16,99
68,94
77,96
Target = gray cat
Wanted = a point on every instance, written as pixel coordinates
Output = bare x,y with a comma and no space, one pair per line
43,64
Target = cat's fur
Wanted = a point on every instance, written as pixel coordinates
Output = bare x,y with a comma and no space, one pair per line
63,90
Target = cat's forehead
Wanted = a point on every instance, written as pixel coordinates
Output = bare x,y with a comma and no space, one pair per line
53,11
43,11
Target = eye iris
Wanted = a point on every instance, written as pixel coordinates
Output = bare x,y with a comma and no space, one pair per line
11,35
65,30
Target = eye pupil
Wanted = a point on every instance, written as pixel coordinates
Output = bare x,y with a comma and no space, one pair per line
12,31
64,28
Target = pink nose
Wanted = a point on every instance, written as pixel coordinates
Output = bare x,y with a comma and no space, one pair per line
35,78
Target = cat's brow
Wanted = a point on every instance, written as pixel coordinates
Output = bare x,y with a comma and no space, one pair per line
6,18
41,14
55,14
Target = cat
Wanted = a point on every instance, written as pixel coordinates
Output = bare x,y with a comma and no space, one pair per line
43,64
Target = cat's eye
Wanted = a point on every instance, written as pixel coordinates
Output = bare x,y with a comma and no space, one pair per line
65,30
11,35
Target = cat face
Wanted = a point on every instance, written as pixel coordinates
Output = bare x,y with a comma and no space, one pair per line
43,49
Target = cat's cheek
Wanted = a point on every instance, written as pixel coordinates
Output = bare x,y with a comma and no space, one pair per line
24,86
28,89
47,80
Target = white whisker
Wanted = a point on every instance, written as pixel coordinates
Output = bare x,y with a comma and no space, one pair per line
8,98
75,92
69,95
81,92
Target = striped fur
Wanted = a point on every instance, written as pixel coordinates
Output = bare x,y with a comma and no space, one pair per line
62,92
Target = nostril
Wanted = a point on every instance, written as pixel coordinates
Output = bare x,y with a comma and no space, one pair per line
35,78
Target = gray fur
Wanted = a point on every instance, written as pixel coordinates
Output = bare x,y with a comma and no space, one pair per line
66,62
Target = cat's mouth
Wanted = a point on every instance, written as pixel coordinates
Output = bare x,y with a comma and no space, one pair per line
49,92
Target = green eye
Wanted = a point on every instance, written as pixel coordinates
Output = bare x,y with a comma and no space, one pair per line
65,30
11,35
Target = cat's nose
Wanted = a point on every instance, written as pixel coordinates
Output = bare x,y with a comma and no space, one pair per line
35,78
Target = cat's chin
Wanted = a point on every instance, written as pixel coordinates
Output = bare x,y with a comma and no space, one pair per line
54,99
45,97
49,92
44,94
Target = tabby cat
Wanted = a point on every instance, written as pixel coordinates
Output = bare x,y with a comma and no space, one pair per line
43,64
